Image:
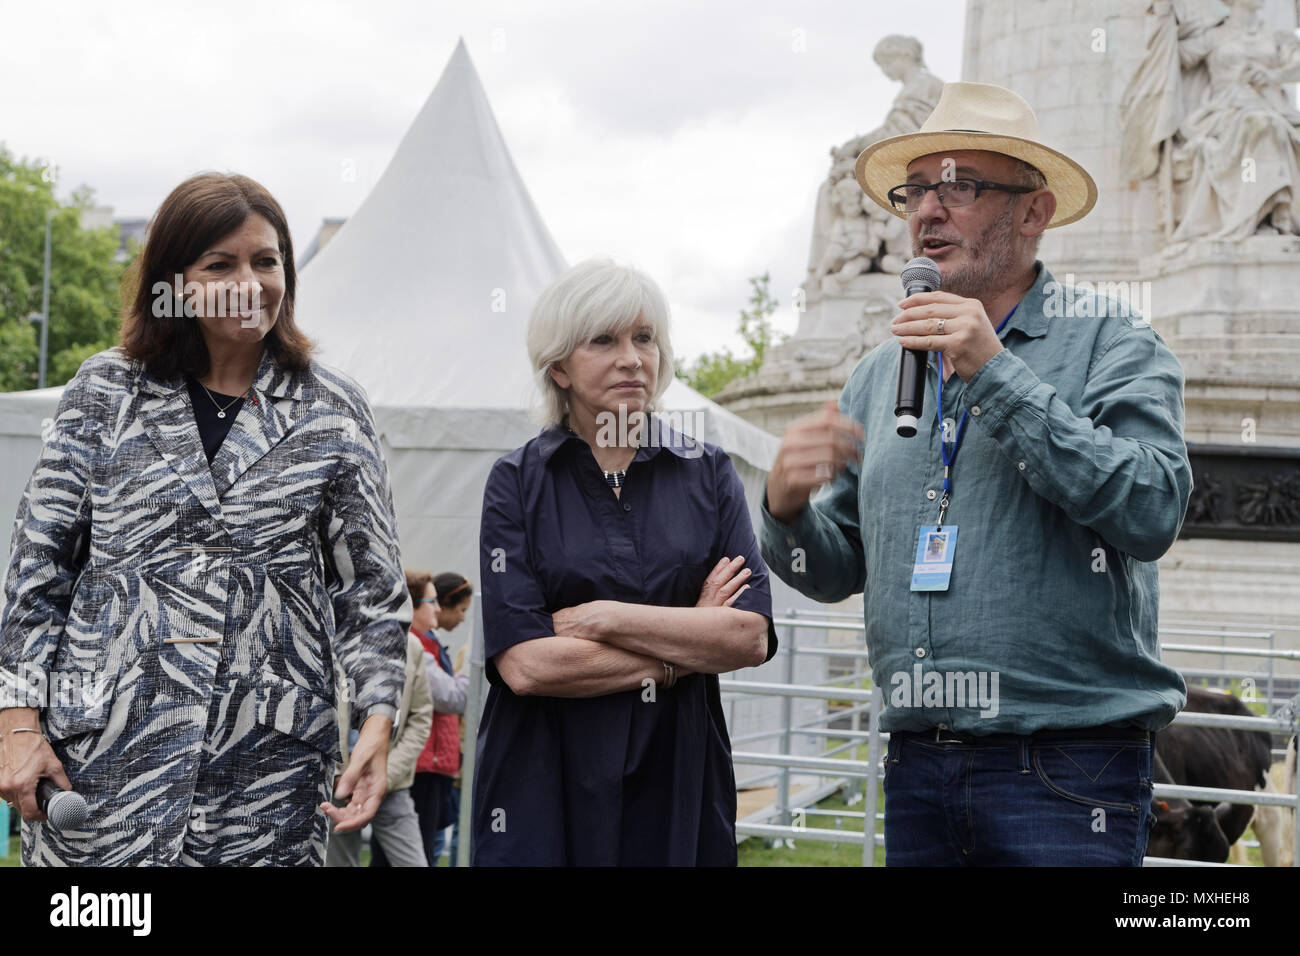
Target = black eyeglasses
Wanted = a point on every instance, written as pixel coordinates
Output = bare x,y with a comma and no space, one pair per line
954,192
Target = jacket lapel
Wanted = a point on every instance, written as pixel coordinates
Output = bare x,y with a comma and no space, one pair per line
276,404
168,418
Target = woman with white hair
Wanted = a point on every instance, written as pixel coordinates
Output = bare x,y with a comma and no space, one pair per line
620,577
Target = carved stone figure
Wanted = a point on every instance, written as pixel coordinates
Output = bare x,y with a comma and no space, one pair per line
882,238
1207,114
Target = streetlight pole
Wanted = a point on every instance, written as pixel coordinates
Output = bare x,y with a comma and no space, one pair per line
45,301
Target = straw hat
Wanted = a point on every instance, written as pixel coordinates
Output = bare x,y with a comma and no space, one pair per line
978,116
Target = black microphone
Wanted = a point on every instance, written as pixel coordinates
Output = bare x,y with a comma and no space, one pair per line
66,809
919,275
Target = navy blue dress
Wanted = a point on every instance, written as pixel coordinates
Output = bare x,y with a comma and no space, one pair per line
612,780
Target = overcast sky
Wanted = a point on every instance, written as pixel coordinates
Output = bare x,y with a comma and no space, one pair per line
687,138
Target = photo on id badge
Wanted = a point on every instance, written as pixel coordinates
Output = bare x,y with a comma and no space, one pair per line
934,552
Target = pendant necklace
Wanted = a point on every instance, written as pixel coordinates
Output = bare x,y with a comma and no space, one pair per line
221,409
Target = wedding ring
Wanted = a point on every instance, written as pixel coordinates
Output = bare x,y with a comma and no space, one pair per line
941,326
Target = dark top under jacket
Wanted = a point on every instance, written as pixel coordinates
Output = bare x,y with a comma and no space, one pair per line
212,430
617,779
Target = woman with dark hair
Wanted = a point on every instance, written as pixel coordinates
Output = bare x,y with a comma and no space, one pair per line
441,607
207,536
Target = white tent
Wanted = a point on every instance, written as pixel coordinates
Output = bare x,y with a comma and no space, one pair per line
423,297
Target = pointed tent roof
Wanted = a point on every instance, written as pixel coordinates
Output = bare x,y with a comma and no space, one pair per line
445,256
424,295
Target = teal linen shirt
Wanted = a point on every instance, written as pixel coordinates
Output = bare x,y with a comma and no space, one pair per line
1071,480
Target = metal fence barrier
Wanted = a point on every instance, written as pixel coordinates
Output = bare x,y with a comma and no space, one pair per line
864,775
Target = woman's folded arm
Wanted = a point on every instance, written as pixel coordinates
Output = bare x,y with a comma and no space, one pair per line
562,666
708,640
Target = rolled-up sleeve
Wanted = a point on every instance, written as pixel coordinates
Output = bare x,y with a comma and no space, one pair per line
736,537
50,544
1121,468
363,573
514,602
820,553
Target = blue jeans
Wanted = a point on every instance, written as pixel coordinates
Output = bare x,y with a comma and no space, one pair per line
1077,802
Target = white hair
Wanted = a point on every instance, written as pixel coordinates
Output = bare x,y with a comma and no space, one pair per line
596,297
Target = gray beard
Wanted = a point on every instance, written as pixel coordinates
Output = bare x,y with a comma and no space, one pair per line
992,258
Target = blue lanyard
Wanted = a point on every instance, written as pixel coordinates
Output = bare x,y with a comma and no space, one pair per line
948,459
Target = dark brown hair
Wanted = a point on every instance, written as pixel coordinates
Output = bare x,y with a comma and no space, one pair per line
452,588
416,582
198,213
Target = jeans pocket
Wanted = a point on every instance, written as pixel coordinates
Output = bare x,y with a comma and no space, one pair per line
1100,774
891,757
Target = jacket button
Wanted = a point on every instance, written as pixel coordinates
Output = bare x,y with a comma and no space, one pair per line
920,652
974,409
1020,465
930,494
627,507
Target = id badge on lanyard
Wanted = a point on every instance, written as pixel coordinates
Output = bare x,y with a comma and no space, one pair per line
936,544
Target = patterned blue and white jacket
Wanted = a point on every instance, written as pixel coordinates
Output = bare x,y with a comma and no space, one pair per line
183,626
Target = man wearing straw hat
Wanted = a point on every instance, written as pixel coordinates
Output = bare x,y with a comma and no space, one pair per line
1020,670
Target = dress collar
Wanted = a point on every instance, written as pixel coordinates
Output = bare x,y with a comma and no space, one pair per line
550,439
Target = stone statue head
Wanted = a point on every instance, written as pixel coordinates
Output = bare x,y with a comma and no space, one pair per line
847,195
895,52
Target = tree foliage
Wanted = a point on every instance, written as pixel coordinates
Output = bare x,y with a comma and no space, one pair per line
710,372
85,277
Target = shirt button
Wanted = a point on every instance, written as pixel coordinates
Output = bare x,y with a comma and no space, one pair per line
1020,465
930,494
920,652
974,409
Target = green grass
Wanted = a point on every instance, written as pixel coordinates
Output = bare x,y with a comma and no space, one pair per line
758,851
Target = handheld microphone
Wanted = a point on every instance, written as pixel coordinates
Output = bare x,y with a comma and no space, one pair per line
919,275
66,809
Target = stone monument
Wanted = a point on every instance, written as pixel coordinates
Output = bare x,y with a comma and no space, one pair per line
852,284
